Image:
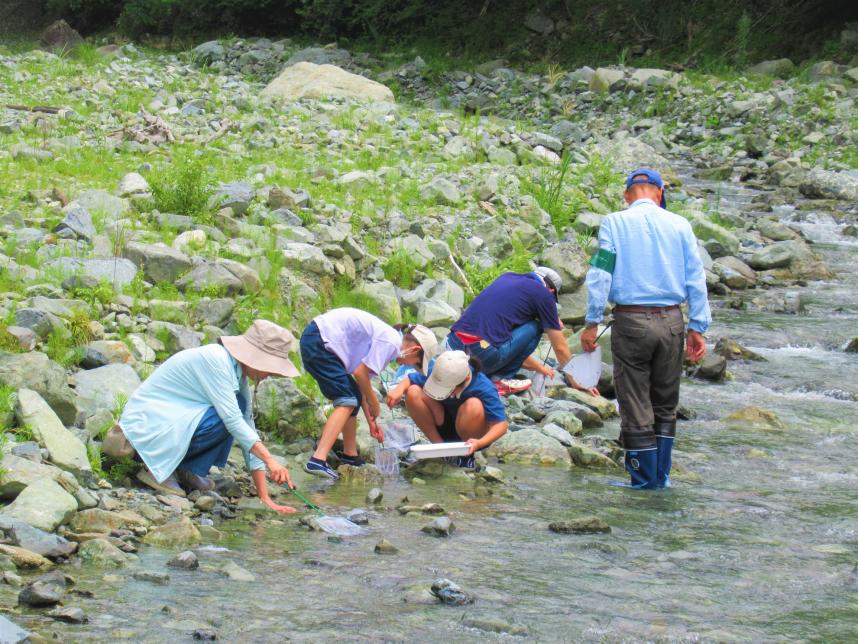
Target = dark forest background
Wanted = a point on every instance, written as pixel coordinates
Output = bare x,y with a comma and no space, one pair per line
678,31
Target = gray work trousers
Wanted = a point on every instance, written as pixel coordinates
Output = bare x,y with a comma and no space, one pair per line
647,348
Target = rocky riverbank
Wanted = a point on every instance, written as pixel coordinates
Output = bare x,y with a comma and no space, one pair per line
152,202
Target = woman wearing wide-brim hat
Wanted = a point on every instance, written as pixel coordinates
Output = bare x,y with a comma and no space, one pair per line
184,418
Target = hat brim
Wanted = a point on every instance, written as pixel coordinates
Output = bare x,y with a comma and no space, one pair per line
247,354
437,391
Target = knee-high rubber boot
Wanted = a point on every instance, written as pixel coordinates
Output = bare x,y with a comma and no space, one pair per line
642,465
665,433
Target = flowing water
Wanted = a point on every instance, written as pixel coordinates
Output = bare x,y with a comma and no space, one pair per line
756,541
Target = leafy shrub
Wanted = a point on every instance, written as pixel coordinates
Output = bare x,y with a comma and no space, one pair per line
9,342
519,261
123,468
183,188
401,269
60,347
93,454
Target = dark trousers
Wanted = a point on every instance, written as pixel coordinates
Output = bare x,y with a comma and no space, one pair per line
503,360
210,443
647,350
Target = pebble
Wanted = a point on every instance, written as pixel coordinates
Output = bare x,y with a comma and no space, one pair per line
185,560
159,578
374,496
440,527
450,593
384,547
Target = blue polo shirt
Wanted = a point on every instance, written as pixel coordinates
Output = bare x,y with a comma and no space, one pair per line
481,387
512,300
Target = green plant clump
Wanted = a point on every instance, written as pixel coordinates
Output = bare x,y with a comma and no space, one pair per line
401,269
518,261
183,188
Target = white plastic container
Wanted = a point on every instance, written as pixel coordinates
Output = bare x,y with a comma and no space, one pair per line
440,450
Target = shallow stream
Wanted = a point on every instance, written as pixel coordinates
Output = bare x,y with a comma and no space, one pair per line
758,541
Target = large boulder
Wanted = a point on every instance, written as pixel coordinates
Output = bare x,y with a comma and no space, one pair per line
781,255
627,153
21,472
605,79
286,410
36,371
160,263
307,80
101,552
91,272
60,36
180,532
23,535
529,446
306,257
76,223
780,68
225,276
570,261
100,388
65,449
43,504
384,294
96,520
831,184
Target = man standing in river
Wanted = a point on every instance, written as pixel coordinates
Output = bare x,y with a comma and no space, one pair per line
647,265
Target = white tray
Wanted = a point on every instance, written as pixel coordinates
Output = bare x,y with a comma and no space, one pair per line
439,450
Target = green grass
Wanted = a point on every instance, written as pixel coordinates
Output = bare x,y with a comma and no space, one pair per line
7,398
520,260
401,269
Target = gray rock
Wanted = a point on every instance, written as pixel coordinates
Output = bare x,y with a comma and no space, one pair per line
76,223
780,255
11,633
712,367
653,78
305,257
101,552
284,409
159,262
529,446
69,614
43,504
384,547
434,313
213,311
557,433
439,527
774,230
358,517
706,230
570,261
133,185
152,577
374,496
780,68
23,535
604,80
567,420
185,560
734,272
176,338
831,184
210,275
101,201
442,191
100,388
385,294
26,337
450,593
305,80
539,23
91,272
208,52
48,590
236,195
21,472
416,247
236,572
39,322
99,353
732,350
65,449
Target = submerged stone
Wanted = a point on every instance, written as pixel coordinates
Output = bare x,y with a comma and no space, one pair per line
580,525
753,418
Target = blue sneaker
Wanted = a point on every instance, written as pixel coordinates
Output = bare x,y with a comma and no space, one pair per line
355,460
320,468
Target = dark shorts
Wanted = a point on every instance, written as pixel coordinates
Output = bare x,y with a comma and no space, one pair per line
447,429
335,383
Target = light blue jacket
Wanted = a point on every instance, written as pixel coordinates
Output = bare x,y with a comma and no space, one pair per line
162,414
657,264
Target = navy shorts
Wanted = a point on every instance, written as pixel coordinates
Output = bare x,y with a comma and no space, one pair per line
336,384
447,429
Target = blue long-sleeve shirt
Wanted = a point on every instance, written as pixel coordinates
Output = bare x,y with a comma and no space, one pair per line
162,414
657,264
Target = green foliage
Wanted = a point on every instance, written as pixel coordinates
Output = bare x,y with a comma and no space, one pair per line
122,469
79,327
743,39
342,293
183,188
61,347
93,453
24,434
98,295
518,261
401,269
548,192
7,397
9,342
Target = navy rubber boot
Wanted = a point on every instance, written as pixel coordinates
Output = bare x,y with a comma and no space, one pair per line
642,466
665,450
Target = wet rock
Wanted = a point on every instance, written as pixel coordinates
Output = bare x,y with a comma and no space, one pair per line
185,560
204,635
365,475
149,576
558,433
25,559
852,347
584,455
780,255
568,421
734,272
384,547
101,552
491,474
529,446
308,80
374,496
450,593
48,590
580,525
35,540
712,368
753,418
358,517
440,527
43,504
732,350
205,503
65,449
831,184
236,572
69,614
791,303
12,633
96,520
175,533
602,406
35,371
495,624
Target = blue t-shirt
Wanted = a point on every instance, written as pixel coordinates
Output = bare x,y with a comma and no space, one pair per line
511,300
481,387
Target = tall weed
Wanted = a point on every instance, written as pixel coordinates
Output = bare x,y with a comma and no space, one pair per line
183,188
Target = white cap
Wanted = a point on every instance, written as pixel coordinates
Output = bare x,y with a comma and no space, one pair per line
427,341
551,278
451,369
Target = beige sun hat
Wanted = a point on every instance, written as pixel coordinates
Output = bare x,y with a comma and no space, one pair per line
427,341
450,370
265,346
